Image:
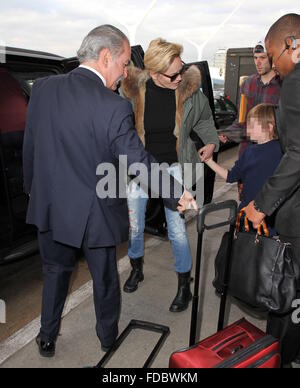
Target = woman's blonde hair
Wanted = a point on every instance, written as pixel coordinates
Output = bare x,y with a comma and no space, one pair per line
161,54
265,114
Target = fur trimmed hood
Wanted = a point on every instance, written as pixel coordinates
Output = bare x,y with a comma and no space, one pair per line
137,78
134,89
190,84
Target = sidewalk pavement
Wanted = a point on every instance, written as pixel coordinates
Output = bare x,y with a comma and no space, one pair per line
78,345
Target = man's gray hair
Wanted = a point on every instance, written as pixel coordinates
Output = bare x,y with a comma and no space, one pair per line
99,38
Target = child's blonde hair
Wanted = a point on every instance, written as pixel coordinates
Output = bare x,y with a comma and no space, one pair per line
161,54
265,114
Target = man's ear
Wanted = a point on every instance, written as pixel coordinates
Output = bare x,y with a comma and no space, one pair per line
105,57
291,42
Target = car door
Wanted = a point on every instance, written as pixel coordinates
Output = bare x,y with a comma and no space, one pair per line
209,175
17,75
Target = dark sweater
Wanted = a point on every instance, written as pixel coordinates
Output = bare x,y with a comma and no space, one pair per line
159,122
255,166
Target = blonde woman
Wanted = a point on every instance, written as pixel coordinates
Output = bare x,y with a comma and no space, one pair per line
168,105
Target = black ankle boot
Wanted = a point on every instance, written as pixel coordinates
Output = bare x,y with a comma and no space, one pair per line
136,275
184,295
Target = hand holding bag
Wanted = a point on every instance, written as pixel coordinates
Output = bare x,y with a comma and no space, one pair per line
263,271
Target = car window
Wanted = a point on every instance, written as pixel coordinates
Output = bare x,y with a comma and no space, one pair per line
26,80
218,107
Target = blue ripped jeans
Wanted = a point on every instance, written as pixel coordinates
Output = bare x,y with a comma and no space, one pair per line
137,204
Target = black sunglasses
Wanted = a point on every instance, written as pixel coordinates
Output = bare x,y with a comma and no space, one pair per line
175,76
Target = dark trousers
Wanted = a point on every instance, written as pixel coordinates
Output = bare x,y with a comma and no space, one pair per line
59,261
282,326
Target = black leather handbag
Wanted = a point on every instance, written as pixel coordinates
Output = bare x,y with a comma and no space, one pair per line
263,271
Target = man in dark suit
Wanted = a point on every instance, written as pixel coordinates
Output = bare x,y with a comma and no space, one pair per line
281,193
76,123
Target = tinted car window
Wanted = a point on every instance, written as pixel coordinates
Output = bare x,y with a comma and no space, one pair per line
26,80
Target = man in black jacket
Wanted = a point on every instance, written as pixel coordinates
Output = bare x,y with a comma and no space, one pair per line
281,193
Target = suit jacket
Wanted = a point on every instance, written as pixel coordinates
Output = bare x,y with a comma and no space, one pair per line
281,193
74,123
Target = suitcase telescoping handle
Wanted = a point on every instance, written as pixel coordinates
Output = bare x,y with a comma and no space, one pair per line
203,213
134,324
214,207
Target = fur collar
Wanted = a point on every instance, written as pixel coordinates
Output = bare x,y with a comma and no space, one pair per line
134,89
137,78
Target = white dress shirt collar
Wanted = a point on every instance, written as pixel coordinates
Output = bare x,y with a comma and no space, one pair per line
95,72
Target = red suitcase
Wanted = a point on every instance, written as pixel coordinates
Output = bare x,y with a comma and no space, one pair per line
240,345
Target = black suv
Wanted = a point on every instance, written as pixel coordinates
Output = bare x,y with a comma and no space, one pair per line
17,75
19,70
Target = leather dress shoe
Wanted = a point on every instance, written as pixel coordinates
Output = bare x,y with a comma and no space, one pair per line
47,349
